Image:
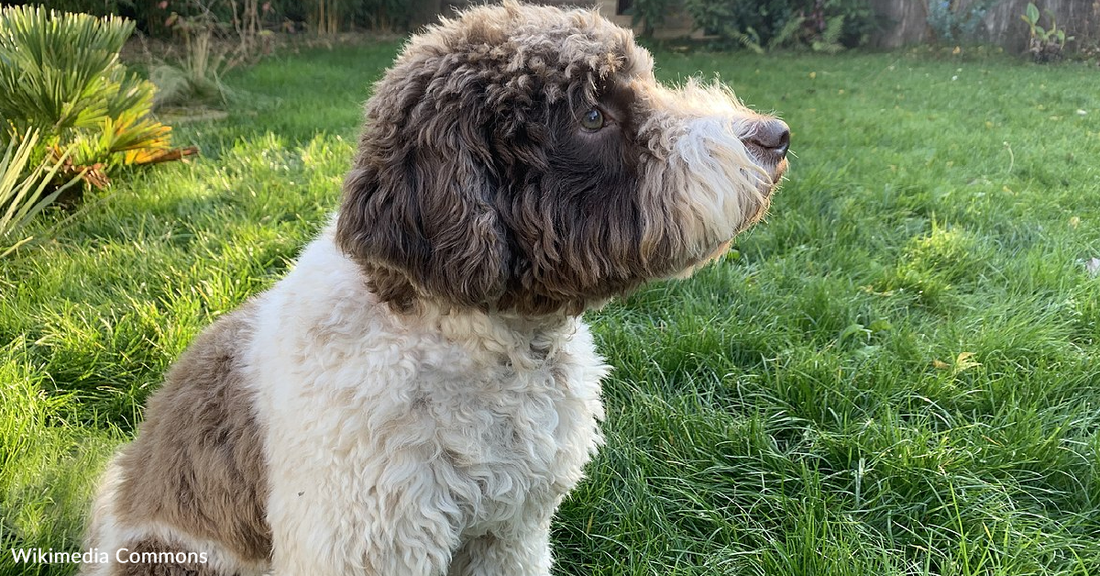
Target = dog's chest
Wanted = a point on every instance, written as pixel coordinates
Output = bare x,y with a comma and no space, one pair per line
372,413
514,437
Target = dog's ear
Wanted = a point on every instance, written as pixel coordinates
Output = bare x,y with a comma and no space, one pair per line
418,214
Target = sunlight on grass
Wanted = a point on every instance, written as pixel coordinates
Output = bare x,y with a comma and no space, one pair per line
895,374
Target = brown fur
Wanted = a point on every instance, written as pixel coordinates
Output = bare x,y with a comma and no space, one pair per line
197,463
155,546
473,186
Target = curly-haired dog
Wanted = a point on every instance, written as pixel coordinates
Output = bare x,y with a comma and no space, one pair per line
419,393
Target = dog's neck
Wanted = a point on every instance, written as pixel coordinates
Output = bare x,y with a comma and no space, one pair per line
520,339
523,341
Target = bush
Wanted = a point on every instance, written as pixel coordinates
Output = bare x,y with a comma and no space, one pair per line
152,17
60,74
208,52
859,20
732,20
649,13
952,22
819,24
93,7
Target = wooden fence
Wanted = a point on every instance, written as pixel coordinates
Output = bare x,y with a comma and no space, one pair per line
905,22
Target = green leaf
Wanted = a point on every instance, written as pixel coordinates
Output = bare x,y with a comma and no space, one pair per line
24,194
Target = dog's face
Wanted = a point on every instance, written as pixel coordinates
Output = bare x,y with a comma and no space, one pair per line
525,159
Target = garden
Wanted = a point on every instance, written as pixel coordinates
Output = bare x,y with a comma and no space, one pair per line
897,372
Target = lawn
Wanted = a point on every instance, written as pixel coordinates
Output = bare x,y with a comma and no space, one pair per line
898,372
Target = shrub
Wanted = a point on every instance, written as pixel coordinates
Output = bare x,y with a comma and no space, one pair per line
950,21
61,74
195,78
741,21
384,15
151,17
823,25
649,13
859,20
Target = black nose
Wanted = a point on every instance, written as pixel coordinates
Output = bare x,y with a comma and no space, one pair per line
771,136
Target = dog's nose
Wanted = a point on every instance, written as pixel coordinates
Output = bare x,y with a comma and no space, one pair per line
771,136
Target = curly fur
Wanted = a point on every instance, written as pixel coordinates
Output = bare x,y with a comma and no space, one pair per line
418,395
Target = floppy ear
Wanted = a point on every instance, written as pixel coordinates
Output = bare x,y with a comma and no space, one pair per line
418,215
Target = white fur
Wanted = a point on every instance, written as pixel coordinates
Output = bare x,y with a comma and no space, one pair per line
423,433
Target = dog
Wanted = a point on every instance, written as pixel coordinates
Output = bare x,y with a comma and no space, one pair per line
419,393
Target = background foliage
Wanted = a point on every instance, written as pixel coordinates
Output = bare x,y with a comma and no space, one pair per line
952,22
784,22
60,74
322,16
70,110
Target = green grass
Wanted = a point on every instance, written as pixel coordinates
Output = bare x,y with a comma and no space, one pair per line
897,373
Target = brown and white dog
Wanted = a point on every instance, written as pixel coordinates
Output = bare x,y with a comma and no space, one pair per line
419,393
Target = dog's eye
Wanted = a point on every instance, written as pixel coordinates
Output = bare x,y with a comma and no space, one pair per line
592,120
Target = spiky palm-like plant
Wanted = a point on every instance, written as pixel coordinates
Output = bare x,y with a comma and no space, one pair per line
25,191
61,75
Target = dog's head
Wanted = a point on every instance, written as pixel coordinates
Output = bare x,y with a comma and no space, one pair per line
522,158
